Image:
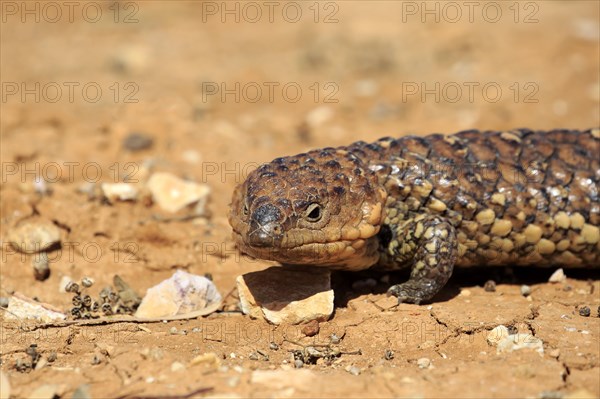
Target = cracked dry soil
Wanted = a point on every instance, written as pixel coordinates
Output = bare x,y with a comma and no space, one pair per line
370,57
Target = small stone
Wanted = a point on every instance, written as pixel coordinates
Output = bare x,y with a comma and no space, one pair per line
34,236
183,293
353,370
87,282
41,266
173,331
286,295
525,290
41,364
555,353
497,334
119,192
137,142
62,285
319,116
558,276
335,339
489,286
366,88
4,301
585,311
177,366
52,357
253,356
465,292
298,363
22,308
388,354
598,311
173,194
423,363
209,358
520,341
273,346
311,328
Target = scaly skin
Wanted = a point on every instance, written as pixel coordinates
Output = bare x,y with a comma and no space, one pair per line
518,197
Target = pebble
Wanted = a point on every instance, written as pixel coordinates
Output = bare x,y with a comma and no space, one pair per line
177,366
525,290
311,328
520,341
27,309
4,301
319,116
465,292
137,142
298,363
555,353
366,88
209,358
489,286
585,311
233,381
497,334
41,266
34,236
424,363
335,339
558,276
388,354
182,293
285,295
173,331
353,370
173,194
119,192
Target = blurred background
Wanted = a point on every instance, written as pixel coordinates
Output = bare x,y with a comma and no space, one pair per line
210,89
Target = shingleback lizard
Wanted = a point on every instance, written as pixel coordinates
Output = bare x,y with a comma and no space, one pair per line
518,197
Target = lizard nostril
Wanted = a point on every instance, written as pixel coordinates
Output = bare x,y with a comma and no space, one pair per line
265,227
266,214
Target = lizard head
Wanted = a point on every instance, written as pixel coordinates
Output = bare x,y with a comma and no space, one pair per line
321,208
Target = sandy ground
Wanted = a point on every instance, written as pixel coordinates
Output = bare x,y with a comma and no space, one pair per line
224,86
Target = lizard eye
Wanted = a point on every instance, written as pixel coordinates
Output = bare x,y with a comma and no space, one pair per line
313,212
245,209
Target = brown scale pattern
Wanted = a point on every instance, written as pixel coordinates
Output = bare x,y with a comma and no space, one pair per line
517,197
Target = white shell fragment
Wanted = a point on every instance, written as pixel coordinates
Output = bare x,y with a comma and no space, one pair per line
183,293
558,276
23,308
506,342
119,191
173,194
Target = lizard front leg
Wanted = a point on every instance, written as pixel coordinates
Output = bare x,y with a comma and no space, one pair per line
429,245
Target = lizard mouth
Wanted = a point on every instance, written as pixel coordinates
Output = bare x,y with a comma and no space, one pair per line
340,254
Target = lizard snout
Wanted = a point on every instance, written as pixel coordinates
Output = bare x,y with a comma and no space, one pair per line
265,227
